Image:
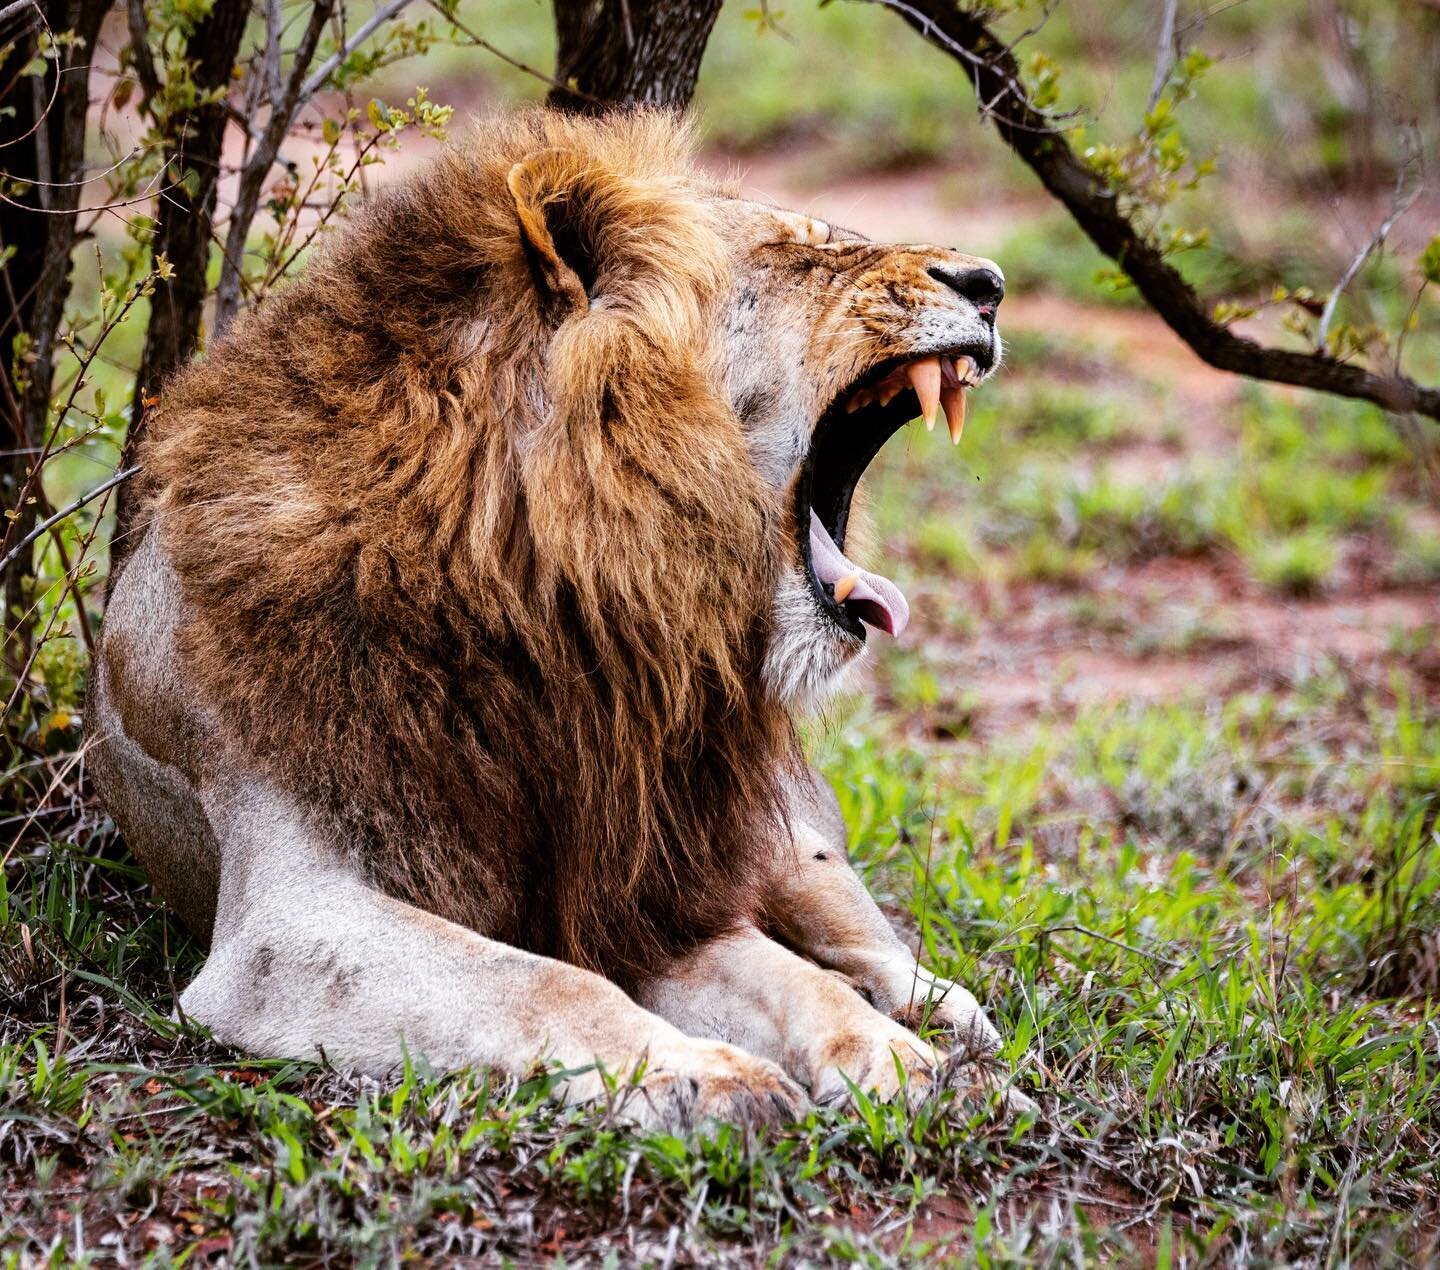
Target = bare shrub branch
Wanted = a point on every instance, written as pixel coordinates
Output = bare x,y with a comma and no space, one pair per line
297,91
989,63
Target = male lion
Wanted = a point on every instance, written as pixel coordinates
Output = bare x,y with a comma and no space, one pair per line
447,688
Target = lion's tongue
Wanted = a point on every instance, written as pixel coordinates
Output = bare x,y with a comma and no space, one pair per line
873,599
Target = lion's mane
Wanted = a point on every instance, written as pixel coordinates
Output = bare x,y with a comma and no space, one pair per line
482,579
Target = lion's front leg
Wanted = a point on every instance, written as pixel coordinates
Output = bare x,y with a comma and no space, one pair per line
749,991
309,961
817,903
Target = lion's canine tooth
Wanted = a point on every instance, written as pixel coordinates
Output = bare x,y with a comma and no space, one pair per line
925,376
953,399
845,586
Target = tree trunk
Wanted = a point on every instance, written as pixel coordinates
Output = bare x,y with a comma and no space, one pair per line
629,52
184,231
42,141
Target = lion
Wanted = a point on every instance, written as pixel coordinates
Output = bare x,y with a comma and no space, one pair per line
450,687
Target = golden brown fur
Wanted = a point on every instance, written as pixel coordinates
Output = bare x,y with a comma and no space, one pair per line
450,562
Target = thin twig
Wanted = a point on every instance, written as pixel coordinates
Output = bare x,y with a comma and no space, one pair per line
1164,52
1130,948
284,254
1398,207
73,574
1010,85
102,207
332,63
924,909
68,510
84,178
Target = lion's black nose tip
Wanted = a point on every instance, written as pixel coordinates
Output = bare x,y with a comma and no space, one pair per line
984,288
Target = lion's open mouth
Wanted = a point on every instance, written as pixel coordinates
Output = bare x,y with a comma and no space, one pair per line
852,431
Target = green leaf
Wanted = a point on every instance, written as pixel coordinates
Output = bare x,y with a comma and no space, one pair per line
1162,1067
380,115
1430,260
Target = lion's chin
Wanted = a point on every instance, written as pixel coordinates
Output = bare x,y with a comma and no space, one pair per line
809,656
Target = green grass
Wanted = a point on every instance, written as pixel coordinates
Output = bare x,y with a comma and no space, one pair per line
1036,496
1209,1018
1297,564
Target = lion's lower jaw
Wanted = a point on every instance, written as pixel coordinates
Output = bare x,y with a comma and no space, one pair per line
809,658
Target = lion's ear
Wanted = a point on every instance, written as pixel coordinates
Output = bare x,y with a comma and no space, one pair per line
548,206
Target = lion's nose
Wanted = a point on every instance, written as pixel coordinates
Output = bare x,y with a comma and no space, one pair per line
984,288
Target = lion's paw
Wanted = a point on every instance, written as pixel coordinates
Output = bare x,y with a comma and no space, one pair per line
881,1061
956,1014
957,1025
976,1084
709,1080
